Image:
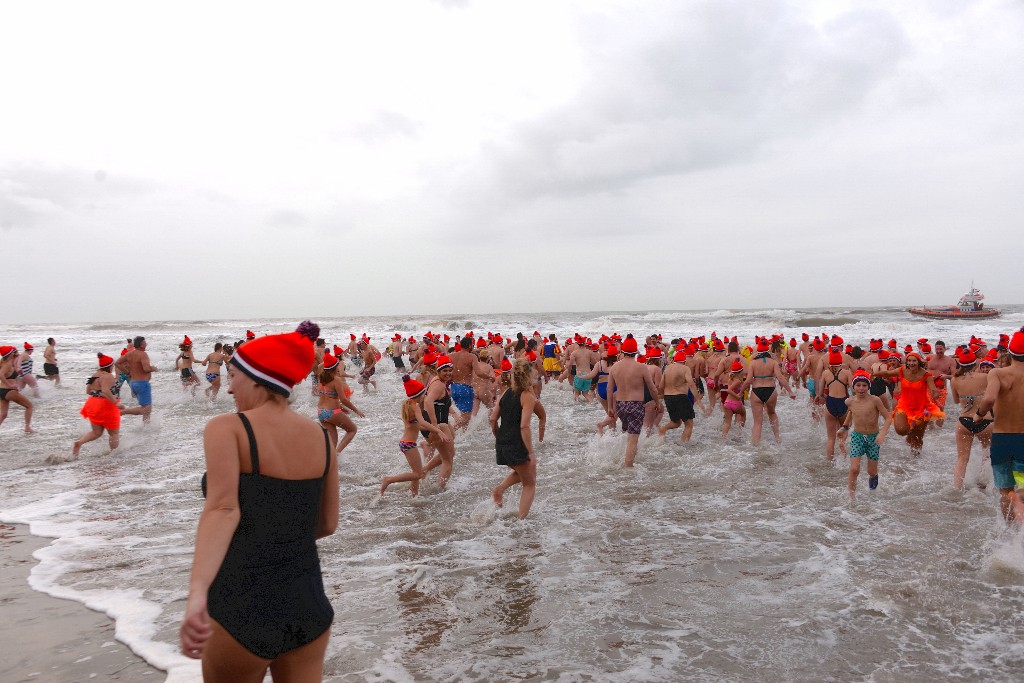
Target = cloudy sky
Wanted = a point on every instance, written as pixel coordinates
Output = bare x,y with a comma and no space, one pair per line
231,160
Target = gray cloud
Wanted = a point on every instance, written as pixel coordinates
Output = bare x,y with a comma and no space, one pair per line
33,194
706,86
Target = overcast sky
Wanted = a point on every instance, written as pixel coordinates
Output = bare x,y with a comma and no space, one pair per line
211,160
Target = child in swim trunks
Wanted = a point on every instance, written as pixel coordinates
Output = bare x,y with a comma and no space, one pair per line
864,411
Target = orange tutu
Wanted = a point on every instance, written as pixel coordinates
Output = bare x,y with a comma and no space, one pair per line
100,411
915,401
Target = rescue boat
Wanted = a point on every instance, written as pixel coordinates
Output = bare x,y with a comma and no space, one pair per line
970,307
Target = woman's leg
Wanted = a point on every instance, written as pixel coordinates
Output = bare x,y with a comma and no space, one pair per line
757,410
303,664
773,419
226,661
95,432
528,476
348,426
964,442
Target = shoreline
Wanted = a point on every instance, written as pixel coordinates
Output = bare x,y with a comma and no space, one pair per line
51,639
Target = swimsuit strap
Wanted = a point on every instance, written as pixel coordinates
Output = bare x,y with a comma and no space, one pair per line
327,448
253,453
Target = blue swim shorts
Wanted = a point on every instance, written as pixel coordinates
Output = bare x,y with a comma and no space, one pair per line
462,396
143,392
1007,455
810,386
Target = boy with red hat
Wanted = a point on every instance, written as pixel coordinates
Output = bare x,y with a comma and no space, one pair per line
1004,398
865,439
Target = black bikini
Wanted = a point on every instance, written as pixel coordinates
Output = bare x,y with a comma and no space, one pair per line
269,591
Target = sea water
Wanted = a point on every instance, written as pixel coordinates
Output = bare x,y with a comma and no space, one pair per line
715,560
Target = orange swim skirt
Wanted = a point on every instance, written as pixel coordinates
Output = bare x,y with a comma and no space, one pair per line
100,411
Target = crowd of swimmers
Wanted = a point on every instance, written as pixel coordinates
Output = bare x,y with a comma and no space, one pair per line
859,393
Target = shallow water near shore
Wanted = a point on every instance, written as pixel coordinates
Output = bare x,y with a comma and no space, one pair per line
707,561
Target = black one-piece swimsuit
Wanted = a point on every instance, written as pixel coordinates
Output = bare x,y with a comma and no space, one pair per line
269,591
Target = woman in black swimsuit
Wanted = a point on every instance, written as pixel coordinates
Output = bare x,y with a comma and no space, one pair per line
762,373
9,387
256,596
510,423
968,386
438,402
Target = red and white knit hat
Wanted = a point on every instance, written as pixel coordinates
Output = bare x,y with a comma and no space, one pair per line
279,361
104,361
6,351
413,387
330,362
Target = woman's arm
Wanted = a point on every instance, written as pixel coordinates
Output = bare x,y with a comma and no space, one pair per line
542,419
528,401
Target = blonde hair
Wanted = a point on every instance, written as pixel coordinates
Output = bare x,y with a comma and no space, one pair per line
521,375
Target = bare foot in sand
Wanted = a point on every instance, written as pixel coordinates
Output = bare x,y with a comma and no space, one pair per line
415,488
498,497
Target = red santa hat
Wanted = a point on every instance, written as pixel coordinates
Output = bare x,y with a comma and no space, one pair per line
104,361
330,362
413,387
835,358
249,334
279,361
187,341
506,365
443,362
28,347
629,346
6,351
1016,345
737,366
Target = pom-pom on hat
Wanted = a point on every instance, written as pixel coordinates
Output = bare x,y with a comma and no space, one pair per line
481,343
338,351
883,355
892,344
429,358
443,362
279,361
6,351
28,347
835,358
819,345
805,336
680,357
737,366
836,340
413,387
330,362
187,341
875,345
762,345
629,346
104,361
612,350
249,334
506,365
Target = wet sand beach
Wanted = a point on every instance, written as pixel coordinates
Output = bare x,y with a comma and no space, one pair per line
49,639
